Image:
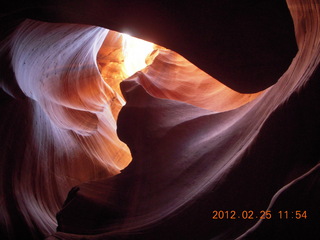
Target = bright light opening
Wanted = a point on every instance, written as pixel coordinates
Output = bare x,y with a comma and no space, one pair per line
136,54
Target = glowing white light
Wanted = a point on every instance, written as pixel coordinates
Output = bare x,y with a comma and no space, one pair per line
135,53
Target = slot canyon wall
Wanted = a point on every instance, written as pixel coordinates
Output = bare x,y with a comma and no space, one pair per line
106,136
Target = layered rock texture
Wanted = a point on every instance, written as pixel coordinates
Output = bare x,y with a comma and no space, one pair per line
205,107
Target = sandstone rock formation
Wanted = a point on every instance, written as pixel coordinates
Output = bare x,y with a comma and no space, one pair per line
104,136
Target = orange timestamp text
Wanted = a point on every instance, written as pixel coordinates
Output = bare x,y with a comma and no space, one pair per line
264,214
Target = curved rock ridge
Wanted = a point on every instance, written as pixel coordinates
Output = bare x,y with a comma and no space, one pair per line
92,151
171,76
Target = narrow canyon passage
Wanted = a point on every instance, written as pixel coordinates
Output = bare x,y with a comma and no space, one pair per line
108,136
